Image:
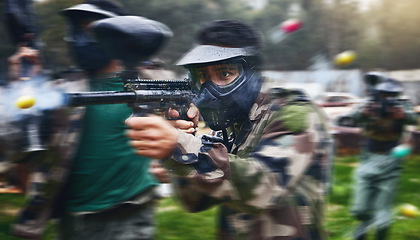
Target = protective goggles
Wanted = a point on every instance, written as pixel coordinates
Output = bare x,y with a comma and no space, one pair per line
222,74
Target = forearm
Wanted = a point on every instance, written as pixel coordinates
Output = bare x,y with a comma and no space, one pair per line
197,155
249,184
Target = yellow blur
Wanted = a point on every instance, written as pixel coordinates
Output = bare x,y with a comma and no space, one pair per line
25,102
409,210
345,58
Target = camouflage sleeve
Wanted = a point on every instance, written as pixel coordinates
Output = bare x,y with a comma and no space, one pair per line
411,115
194,170
290,146
410,119
356,112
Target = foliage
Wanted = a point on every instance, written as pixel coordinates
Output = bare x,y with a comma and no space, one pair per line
192,225
398,33
384,36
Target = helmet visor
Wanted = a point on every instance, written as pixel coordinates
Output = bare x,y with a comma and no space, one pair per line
209,53
76,11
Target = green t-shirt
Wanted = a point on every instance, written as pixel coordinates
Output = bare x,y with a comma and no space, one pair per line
106,170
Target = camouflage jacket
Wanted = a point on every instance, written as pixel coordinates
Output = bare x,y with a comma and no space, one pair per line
383,128
272,183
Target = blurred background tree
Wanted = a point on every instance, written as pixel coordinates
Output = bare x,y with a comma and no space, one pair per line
384,33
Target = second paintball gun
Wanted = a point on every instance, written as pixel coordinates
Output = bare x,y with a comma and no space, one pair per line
383,93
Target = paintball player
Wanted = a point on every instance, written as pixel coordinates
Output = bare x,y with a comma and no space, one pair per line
25,63
20,22
382,119
103,189
265,161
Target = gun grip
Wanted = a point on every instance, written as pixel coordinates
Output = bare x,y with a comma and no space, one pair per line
182,111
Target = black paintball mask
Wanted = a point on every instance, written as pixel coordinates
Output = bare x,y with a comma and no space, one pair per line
226,88
388,93
86,52
84,49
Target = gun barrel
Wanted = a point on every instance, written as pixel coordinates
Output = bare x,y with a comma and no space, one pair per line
102,97
115,97
138,93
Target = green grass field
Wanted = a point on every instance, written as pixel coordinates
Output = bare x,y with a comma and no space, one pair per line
175,224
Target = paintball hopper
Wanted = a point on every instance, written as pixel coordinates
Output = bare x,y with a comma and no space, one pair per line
131,38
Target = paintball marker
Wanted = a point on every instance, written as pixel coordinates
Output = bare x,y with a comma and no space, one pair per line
383,93
371,79
143,95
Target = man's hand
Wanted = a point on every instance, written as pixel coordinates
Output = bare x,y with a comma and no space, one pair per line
31,55
188,126
156,137
152,136
370,109
27,53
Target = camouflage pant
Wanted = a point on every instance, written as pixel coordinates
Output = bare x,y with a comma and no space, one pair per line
126,222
